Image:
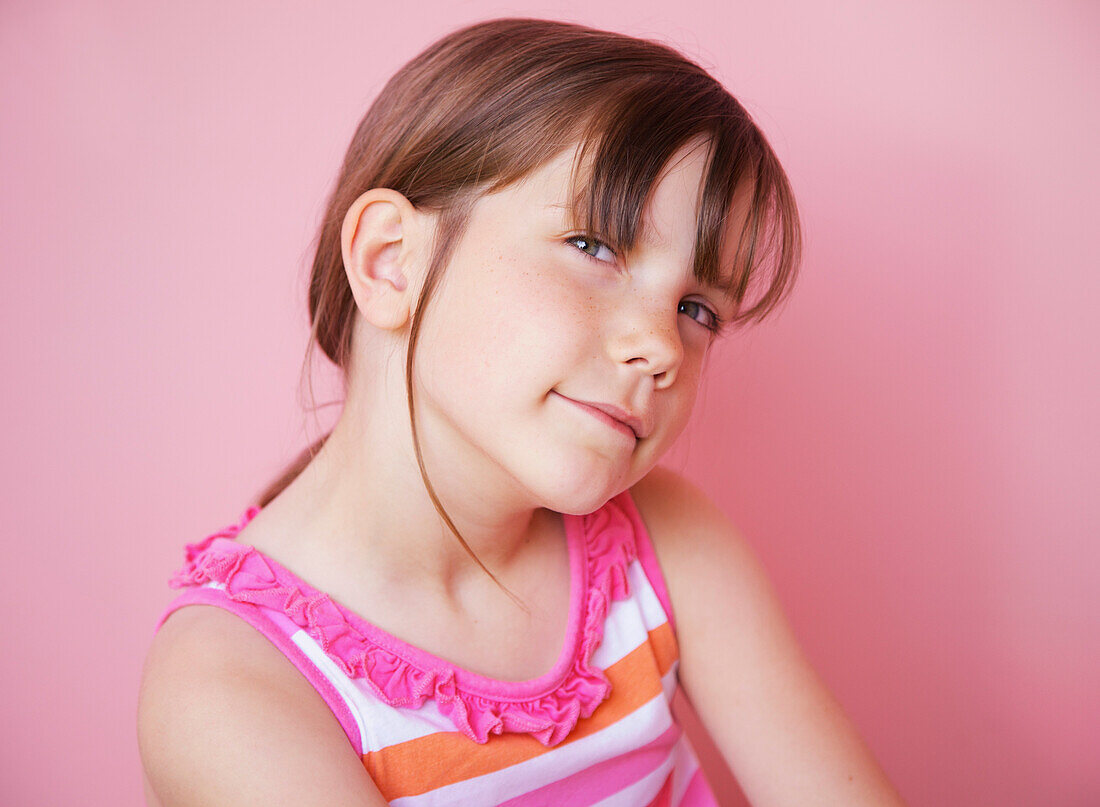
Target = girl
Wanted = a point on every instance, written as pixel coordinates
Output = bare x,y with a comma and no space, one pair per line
480,588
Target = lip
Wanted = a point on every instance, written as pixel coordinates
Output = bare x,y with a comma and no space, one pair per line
619,419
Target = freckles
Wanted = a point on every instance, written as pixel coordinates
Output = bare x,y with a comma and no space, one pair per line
574,317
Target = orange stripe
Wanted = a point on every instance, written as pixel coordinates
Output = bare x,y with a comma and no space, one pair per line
665,649
445,757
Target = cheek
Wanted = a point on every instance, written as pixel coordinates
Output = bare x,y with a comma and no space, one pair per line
489,327
534,311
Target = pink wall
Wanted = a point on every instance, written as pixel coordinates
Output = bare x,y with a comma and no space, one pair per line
911,446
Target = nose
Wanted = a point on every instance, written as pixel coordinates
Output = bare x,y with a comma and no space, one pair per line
649,339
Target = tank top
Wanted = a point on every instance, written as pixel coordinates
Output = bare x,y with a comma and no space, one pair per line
596,729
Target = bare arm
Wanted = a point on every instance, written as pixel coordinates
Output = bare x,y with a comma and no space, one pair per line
225,718
781,731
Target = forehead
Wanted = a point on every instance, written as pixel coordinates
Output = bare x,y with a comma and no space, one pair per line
670,212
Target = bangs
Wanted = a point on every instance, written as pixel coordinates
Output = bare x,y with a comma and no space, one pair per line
746,202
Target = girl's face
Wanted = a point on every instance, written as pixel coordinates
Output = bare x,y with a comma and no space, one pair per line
533,314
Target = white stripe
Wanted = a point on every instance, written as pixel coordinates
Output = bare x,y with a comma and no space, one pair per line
623,632
644,790
653,613
390,725
629,621
334,674
686,766
643,725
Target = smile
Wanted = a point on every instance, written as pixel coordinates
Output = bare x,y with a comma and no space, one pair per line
604,418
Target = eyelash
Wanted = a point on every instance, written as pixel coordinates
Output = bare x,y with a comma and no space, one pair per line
716,321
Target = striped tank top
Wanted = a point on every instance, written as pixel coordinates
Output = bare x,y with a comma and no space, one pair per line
596,729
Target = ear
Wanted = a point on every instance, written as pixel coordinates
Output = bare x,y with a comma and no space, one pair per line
382,241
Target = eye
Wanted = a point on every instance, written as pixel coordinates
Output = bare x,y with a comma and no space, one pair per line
711,321
586,242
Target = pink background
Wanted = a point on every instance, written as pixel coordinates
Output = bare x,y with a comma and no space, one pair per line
911,446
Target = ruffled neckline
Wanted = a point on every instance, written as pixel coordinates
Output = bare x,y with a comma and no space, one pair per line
601,547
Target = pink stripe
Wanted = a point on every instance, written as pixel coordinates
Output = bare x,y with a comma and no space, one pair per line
647,556
604,778
698,793
255,617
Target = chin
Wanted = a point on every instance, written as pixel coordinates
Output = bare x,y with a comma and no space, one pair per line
578,492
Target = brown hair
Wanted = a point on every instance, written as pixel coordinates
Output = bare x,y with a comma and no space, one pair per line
487,104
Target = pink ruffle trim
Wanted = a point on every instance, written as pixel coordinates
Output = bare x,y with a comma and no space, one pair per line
250,577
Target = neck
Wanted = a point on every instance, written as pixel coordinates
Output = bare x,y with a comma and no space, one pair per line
361,504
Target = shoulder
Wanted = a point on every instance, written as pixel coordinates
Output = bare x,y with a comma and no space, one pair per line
692,536
741,665
719,589
669,500
224,717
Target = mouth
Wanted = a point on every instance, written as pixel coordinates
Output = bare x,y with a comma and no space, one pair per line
614,423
